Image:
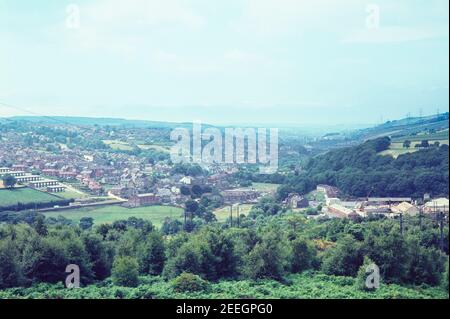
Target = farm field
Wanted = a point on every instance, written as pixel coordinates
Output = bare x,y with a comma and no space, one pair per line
438,136
118,145
396,149
223,213
10,197
124,146
159,148
109,214
70,194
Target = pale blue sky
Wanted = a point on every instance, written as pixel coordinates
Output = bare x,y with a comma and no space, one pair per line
226,61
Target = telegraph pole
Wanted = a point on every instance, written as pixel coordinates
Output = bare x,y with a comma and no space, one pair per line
231,215
441,227
420,218
401,223
239,216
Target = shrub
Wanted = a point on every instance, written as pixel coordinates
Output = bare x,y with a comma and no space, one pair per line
445,279
363,273
125,272
187,282
304,255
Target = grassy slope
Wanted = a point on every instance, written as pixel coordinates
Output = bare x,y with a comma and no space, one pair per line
109,214
24,195
223,213
303,286
396,148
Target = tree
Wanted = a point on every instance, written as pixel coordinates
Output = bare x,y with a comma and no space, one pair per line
407,144
125,271
185,190
197,191
10,272
151,254
9,181
425,144
426,265
171,226
51,261
363,273
86,223
445,277
100,255
304,255
344,259
40,226
268,258
186,259
191,206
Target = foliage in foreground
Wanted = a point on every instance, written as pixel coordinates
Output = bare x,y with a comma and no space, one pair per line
308,285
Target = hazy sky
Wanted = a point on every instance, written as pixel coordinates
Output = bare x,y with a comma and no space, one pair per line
222,61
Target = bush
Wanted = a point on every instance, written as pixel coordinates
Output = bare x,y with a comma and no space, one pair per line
187,282
445,279
10,275
125,272
304,255
363,273
344,259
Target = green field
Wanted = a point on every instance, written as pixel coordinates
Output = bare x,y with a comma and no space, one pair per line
159,148
222,214
10,197
71,194
396,149
109,214
437,136
118,145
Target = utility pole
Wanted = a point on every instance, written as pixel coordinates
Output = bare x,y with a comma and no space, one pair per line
239,216
401,223
420,218
441,227
231,215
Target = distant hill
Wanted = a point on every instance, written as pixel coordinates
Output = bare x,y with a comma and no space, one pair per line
405,127
90,121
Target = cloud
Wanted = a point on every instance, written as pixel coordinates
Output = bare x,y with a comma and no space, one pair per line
274,17
126,13
125,26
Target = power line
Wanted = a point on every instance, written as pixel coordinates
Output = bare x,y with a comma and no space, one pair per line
18,108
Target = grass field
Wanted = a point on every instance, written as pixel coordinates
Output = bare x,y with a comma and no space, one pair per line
438,136
70,194
223,213
159,148
396,149
10,197
109,214
118,145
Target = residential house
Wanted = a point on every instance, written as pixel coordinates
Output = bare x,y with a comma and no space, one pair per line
295,200
437,205
405,208
240,196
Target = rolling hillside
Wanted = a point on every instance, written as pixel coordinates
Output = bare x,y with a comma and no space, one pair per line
407,127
